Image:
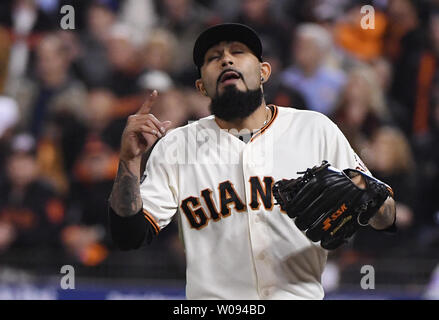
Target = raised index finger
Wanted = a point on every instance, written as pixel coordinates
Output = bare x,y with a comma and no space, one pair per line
146,106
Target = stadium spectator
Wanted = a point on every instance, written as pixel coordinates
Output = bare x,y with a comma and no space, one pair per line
309,74
361,108
93,64
259,15
52,90
389,156
405,47
124,56
26,23
364,44
139,14
427,158
9,117
159,50
31,212
185,19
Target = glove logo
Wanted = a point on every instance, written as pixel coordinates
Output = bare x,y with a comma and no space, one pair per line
334,216
341,225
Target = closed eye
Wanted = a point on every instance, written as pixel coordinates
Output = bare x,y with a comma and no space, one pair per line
212,58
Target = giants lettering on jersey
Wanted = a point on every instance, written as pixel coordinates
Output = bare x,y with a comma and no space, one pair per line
229,199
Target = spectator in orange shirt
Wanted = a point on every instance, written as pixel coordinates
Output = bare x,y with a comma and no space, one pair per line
31,213
363,44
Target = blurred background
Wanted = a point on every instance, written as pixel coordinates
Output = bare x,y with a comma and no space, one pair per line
65,96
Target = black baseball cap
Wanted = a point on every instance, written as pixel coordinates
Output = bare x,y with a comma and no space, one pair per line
226,32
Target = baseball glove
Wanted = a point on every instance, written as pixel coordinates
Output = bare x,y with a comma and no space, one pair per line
328,205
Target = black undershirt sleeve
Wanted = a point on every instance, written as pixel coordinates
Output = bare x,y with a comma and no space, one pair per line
130,233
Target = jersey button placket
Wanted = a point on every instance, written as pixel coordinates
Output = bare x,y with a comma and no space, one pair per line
247,172
256,222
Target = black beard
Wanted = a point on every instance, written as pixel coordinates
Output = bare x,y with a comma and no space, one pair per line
234,104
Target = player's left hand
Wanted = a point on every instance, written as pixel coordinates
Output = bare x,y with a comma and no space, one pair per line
330,205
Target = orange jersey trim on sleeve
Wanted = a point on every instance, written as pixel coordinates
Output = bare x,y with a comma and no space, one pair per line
151,220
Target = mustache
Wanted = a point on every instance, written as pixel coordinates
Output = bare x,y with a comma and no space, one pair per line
228,70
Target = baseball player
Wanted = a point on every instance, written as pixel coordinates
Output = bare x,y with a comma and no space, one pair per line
217,175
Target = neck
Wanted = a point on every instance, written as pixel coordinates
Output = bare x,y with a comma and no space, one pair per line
253,122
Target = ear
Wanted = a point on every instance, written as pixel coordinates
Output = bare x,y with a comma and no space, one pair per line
265,71
200,86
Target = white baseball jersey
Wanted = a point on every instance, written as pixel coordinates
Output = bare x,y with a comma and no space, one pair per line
238,244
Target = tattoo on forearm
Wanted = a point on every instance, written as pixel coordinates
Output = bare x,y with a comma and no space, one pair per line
388,213
125,197
384,218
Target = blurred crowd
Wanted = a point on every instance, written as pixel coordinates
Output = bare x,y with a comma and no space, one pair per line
65,96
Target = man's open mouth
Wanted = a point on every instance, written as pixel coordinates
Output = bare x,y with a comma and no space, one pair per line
229,76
